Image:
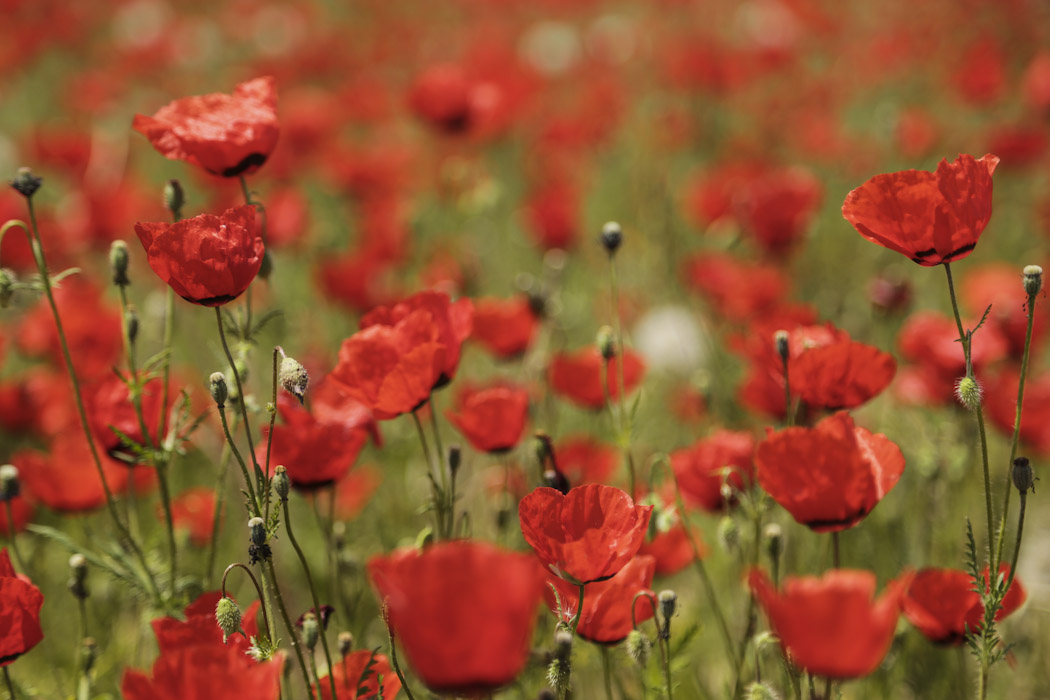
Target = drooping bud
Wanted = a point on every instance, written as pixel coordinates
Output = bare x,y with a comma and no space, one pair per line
311,630
257,528
606,342
131,321
612,237
228,615
1033,279
10,485
174,197
294,378
26,183
780,341
968,391
78,577
7,287
219,389
638,646
118,263
728,533
346,643
282,483
1023,475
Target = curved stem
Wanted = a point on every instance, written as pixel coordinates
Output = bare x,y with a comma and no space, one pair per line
216,521
288,626
240,400
258,590
393,657
579,609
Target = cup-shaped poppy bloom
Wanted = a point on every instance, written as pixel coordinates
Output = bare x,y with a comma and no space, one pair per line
726,456
504,327
831,626
586,535
830,476
452,321
492,418
20,603
931,218
578,376
208,260
942,604
227,135
351,682
463,612
606,615
845,374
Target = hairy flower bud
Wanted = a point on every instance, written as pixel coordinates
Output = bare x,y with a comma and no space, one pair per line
228,615
612,237
1023,476
668,603
282,483
7,287
455,458
131,322
118,263
10,486
1033,279
294,378
728,533
760,691
968,391
774,540
638,647
88,654
25,183
219,389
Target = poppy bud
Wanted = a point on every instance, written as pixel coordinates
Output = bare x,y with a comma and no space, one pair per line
638,647
774,537
25,183
726,492
7,287
174,197
968,391
780,339
556,480
282,484
1023,476
1033,279
760,691
346,643
78,579
228,615
88,654
668,603
294,378
455,457
612,237
311,631
606,343
131,321
258,531
562,643
10,486
728,533
219,390
118,263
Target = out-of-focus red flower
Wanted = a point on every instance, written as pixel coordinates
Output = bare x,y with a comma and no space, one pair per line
227,135
578,376
1035,85
889,295
354,491
830,476
22,512
1000,403
355,280
606,617
932,218
463,612
315,453
552,213
831,626
65,478
1000,285
109,406
20,603
712,196
916,133
735,289
350,682
197,628
504,327
448,99
941,603
980,74
585,535
700,469
194,510
452,321
208,260
491,418
841,375
584,460
287,217
1019,145
776,209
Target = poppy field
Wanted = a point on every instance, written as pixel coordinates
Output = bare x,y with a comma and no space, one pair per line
560,349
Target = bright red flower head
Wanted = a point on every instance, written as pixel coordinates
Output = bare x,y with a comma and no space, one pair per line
110,406
941,603
1001,406
448,99
932,218
578,376
20,603
208,260
351,682
777,207
504,327
585,535
227,135
65,478
845,374
606,615
830,476
492,419
463,612
831,626
701,468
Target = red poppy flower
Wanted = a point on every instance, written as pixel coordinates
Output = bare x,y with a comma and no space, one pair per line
585,535
22,510
109,407
841,375
999,284
194,510
726,456
578,376
197,628
941,603
584,460
227,135
777,207
932,218
552,213
445,97
830,476
351,683
735,289
354,491
65,478
452,320
1001,406
672,549
208,260
463,612
20,603
606,615
492,419
316,453
831,626
504,327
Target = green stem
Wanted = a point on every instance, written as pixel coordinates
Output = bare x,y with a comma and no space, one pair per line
268,573
437,494
7,680
240,460
624,428
13,536
665,660
835,560
394,663
262,598
273,419
240,402
579,610
1017,543
606,672
442,465
220,501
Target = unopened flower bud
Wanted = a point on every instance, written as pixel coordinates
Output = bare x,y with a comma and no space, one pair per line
311,630
282,483
78,577
88,654
774,539
612,237
562,643
294,378
668,603
556,480
968,391
228,615
606,343
118,263
726,492
728,533
780,341
1033,279
26,183
7,287
131,321
174,197
346,643
10,485
219,389
257,528
760,691
455,458
1022,474
638,647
